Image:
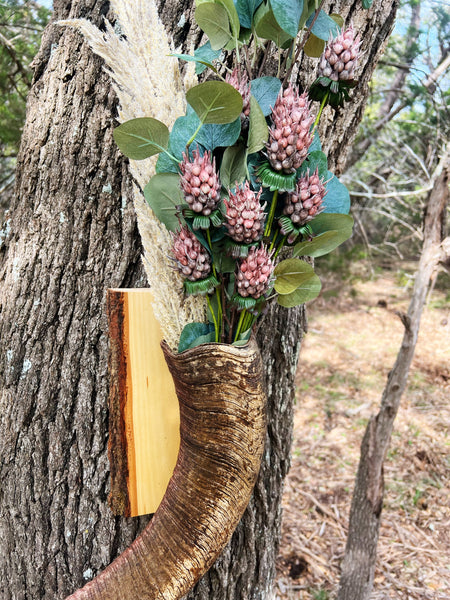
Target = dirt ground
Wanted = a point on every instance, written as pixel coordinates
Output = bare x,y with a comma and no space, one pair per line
353,339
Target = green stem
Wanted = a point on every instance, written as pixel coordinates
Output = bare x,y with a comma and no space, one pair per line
322,106
271,214
239,325
216,326
195,135
273,241
280,245
219,303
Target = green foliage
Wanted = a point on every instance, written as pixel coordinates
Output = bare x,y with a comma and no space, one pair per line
232,200
329,231
163,194
234,166
21,25
288,15
265,90
258,132
142,138
324,26
215,101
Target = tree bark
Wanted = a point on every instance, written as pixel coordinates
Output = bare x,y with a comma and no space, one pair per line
71,235
358,567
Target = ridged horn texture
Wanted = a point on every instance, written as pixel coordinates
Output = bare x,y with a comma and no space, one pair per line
223,429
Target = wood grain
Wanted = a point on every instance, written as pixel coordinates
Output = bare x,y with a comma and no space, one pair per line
144,414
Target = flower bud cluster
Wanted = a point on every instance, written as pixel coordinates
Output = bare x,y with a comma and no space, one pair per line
306,201
245,215
290,136
200,183
339,60
192,259
254,275
240,82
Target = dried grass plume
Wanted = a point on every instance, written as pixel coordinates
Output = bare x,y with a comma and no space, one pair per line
147,82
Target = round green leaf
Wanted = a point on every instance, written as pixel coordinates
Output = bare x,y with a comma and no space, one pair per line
195,334
338,19
266,90
215,101
141,138
266,26
288,14
314,46
308,290
232,15
337,199
246,10
290,274
234,166
212,136
324,26
164,195
330,230
213,19
258,131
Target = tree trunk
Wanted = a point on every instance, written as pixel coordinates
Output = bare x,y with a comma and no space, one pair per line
358,567
72,234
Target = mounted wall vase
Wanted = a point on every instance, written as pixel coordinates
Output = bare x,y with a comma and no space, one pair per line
222,433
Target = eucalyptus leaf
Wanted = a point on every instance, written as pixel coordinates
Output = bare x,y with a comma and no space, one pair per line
314,160
266,26
205,54
164,195
330,231
337,199
213,19
141,138
288,15
338,19
182,131
367,3
234,166
258,132
213,136
195,334
266,90
314,46
316,144
324,26
215,101
200,61
246,9
290,274
232,15
308,290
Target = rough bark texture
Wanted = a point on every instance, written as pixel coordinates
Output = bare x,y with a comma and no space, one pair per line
358,567
72,234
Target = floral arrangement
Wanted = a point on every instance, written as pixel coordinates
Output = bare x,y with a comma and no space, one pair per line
241,180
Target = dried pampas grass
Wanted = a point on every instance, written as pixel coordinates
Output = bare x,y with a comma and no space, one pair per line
148,84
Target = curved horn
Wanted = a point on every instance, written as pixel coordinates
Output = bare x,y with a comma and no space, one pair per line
223,428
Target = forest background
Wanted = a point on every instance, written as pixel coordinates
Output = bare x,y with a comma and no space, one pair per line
390,171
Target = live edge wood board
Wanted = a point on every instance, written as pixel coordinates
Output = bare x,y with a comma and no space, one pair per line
144,411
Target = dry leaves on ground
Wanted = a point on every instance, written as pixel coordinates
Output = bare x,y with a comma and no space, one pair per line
352,343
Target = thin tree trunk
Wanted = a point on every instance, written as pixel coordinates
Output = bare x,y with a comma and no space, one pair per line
358,567
72,234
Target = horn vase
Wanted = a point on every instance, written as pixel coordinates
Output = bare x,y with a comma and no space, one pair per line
222,433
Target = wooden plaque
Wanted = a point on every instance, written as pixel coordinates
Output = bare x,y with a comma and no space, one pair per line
144,412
